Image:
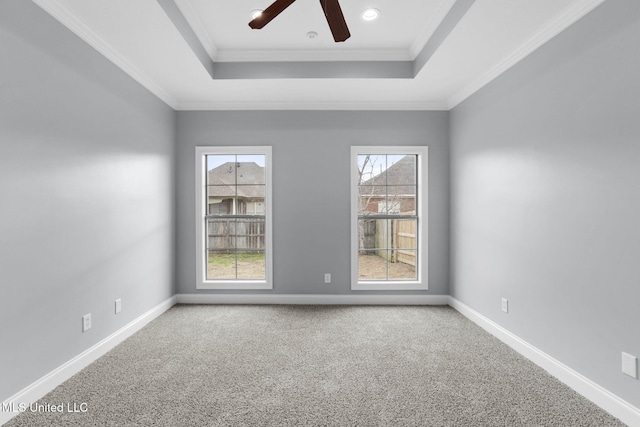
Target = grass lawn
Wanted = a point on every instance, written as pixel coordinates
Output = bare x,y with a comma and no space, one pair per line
224,266
229,259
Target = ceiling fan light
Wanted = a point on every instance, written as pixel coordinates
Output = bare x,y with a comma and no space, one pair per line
256,13
370,14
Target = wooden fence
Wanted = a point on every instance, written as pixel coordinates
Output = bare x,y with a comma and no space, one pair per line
235,235
397,235
405,237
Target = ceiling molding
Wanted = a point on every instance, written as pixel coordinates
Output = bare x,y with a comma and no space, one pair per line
198,28
314,105
67,17
318,64
251,55
443,9
185,30
325,55
446,26
313,70
73,22
296,55
569,16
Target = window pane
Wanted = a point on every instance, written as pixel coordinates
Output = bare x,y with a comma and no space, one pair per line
387,187
367,234
218,203
250,200
221,234
234,230
402,265
250,169
250,234
221,170
221,264
371,168
401,170
370,199
372,264
251,264
404,233
401,199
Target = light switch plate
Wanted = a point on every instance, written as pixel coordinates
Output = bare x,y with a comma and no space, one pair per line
86,322
505,305
630,365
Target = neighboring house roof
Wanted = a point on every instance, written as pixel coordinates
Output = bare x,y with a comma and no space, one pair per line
247,177
398,179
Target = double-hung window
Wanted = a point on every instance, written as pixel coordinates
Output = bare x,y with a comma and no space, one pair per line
233,218
389,218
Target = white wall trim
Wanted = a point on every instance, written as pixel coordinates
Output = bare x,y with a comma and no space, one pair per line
587,388
74,23
313,299
561,22
198,27
430,27
313,105
44,385
201,202
600,396
422,209
300,55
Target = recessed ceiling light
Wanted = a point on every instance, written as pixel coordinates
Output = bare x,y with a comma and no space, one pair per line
370,14
256,13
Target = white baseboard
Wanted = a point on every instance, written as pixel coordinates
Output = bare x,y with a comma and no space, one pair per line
616,406
44,385
313,299
608,401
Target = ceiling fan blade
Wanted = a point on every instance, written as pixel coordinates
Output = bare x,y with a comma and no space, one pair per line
269,13
335,18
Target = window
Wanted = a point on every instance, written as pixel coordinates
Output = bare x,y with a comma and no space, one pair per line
389,218
233,217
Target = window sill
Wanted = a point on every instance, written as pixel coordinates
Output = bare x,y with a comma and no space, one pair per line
240,284
389,286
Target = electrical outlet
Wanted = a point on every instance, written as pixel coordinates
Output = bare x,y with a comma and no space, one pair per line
327,277
86,322
118,305
630,365
505,305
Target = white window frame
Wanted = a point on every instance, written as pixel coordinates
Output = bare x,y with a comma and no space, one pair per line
201,209
422,163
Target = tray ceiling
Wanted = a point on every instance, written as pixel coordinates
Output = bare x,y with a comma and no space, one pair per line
420,54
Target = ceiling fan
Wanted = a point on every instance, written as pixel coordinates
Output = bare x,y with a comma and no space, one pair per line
332,12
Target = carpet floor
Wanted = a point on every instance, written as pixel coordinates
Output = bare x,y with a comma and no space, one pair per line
314,366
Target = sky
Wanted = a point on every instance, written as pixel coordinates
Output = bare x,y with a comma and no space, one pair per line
213,161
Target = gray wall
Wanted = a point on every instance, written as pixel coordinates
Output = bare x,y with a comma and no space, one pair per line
545,197
86,181
311,152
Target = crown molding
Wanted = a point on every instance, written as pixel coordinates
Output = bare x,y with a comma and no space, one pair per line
443,9
76,25
569,16
321,55
198,27
313,105
288,55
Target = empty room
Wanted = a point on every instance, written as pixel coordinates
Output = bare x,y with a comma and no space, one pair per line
320,213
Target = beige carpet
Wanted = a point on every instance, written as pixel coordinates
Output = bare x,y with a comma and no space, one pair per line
314,366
